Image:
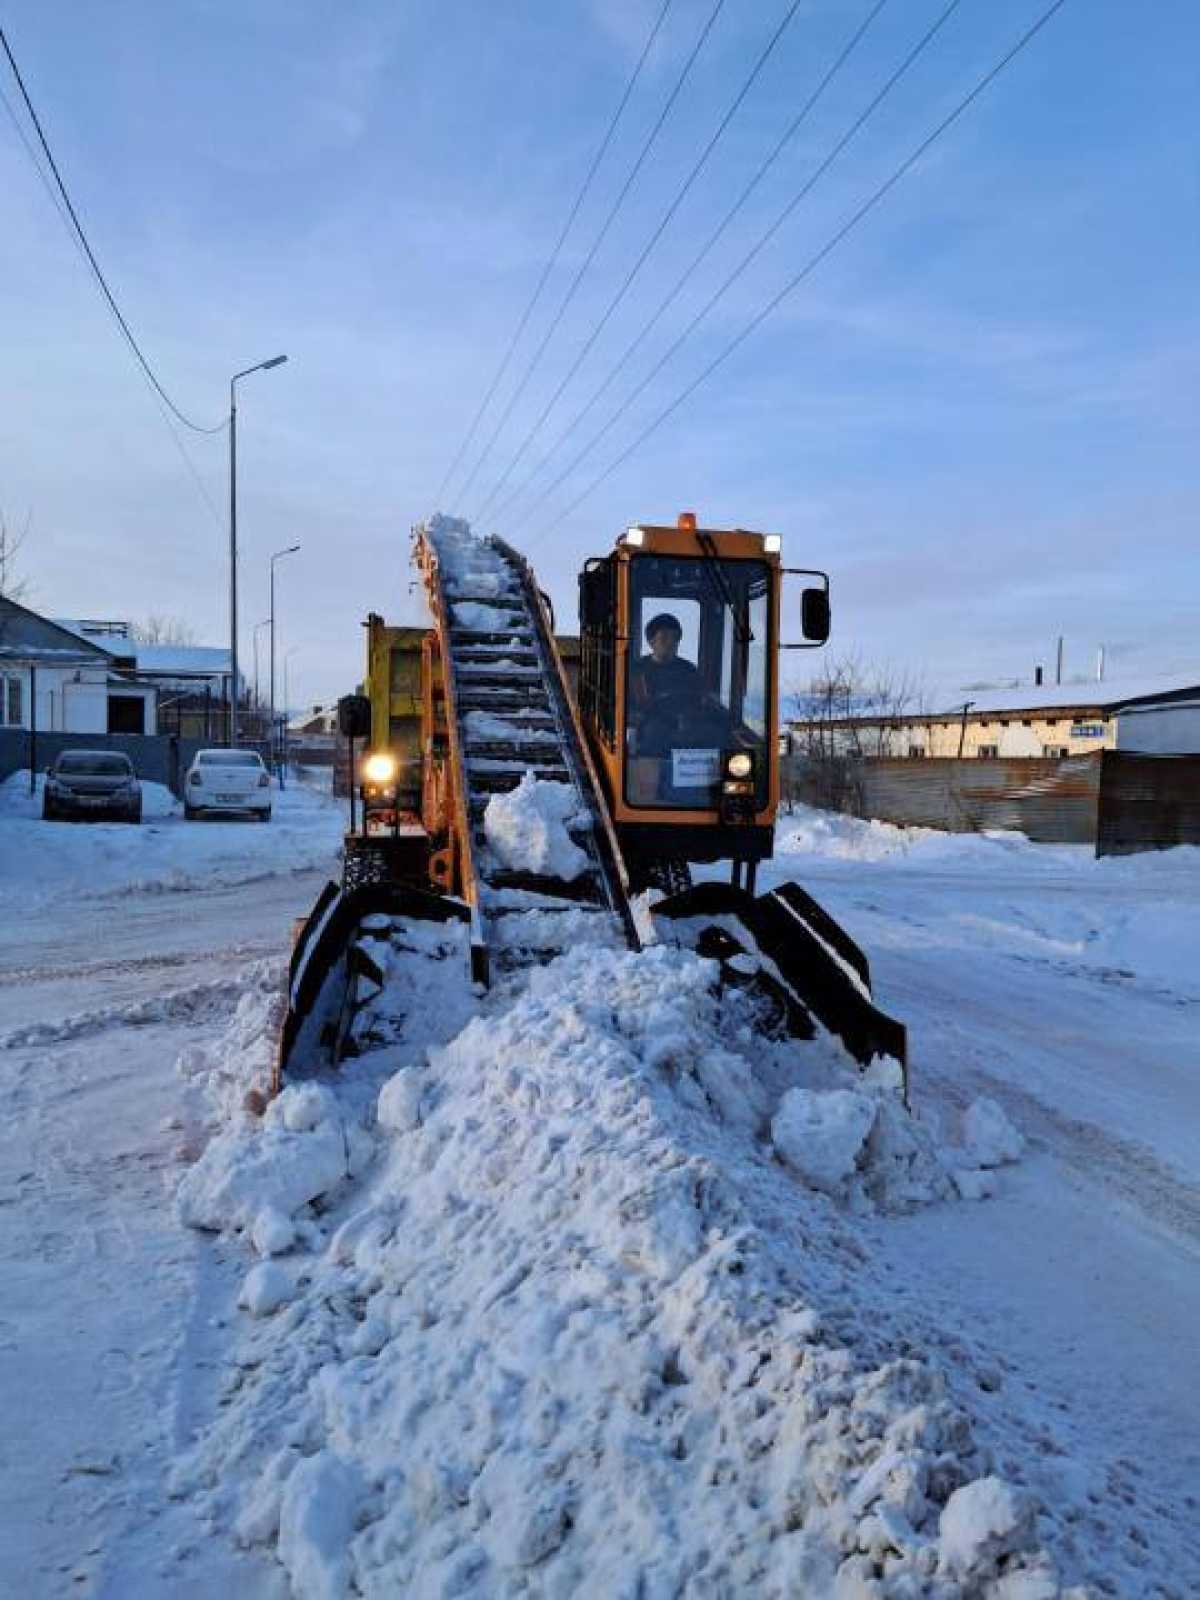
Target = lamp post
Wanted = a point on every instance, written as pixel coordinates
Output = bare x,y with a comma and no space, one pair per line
287,656
262,366
278,556
258,627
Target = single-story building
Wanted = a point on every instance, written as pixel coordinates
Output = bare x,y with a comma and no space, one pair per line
1042,720
57,682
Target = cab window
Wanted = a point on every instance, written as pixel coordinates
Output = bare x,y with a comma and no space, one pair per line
698,681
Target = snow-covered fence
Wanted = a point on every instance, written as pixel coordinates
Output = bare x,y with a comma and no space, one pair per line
1051,801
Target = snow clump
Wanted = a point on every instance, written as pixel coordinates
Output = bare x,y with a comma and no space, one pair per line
527,829
989,1137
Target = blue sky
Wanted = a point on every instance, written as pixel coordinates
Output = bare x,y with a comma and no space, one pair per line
979,413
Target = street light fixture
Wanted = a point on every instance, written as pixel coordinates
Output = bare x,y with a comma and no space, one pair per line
262,366
287,656
258,628
278,556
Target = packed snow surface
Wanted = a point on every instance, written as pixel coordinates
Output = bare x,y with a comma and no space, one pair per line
165,854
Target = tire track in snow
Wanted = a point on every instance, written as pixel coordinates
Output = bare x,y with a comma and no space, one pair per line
1122,1165
134,964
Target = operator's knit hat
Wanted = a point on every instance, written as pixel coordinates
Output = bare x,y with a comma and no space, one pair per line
664,619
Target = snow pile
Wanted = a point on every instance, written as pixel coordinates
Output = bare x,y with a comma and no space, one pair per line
579,1330
237,1066
469,566
165,855
256,1177
527,829
834,836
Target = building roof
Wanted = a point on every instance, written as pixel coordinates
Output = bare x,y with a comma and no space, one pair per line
1093,696
194,659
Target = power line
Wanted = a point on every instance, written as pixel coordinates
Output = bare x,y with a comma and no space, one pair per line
554,254
757,248
785,139
814,261
591,255
680,195
95,265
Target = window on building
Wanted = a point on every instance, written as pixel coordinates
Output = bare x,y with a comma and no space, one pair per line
1027,722
988,752
915,751
11,701
1056,752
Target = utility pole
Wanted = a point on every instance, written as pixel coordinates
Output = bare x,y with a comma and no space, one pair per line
278,556
262,366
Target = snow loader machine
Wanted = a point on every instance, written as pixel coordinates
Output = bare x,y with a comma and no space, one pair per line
660,752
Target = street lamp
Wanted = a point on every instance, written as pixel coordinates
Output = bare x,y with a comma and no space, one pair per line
258,627
287,656
278,556
262,366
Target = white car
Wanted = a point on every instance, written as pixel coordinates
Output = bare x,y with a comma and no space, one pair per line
227,780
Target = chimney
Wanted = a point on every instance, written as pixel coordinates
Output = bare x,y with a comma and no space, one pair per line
1100,665
1037,677
1058,669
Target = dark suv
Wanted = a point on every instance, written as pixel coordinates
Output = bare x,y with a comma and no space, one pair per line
92,783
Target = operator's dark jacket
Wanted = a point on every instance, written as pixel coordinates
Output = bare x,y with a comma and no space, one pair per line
654,681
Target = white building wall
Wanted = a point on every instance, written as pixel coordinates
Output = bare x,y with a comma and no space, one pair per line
1172,730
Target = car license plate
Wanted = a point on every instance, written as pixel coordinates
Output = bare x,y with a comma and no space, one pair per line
231,799
92,800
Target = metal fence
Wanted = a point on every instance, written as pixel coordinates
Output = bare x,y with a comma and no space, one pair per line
1117,801
1147,803
1053,801
157,758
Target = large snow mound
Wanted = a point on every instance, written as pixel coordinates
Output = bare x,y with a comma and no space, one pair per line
567,1334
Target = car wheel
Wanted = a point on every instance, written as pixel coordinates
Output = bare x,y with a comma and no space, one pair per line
47,811
265,816
135,816
190,813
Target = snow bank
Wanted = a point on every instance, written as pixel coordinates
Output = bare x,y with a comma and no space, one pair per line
527,829
165,855
570,1333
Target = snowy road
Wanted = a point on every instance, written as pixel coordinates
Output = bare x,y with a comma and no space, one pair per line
1068,991
1065,1307
104,1319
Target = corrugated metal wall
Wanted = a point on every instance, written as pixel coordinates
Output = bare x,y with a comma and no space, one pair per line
1119,801
1054,802
1147,803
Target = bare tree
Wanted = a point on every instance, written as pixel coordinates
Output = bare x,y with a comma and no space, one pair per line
160,629
12,586
852,711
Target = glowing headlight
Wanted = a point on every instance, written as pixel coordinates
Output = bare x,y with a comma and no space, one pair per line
739,765
379,768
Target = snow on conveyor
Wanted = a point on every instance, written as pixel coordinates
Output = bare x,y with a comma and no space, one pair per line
540,1312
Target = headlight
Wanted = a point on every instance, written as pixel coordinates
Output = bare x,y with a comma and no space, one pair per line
379,768
740,765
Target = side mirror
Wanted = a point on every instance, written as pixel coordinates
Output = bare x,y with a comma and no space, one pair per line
354,716
814,615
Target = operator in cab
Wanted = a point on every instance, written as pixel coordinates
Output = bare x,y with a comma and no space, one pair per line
664,687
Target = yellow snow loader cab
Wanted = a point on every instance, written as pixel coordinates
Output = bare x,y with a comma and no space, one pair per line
529,809
678,692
